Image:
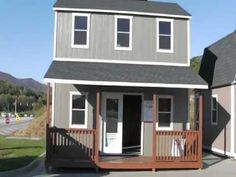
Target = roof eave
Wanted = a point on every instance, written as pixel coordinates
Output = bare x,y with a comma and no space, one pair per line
120,12
124,84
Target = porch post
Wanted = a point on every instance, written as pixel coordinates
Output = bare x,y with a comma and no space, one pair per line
154,120
200,129
48,103
97,126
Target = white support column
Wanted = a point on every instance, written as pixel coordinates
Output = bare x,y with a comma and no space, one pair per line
233,153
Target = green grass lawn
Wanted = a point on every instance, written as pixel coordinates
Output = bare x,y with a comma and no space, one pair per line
19,153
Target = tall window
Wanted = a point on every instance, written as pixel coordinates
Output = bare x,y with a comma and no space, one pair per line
123,33
214,110
165,35
78,110
80,33
165,112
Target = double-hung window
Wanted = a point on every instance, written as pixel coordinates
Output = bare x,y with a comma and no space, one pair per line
78,110
123,33
165,113
80,30
214,110
165,35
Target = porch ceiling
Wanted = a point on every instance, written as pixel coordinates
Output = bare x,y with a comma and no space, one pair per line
110,74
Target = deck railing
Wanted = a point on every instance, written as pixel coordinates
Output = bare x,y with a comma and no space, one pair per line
80,143
178,146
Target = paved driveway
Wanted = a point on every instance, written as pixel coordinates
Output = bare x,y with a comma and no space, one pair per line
214,166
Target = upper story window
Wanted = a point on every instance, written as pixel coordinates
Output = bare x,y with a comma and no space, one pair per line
165,113
123,33
214,110
80,30
165,36
78,110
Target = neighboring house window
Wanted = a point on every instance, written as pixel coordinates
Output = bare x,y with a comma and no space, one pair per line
80,30
214,110
165,113
78,110
123,33
165,35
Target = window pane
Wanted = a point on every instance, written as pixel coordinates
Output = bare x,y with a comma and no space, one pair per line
80,37
81,22
112,115
78,117
122,40
214,116
164,28
78,102
164,104
214,103
123,25
164,42
164,120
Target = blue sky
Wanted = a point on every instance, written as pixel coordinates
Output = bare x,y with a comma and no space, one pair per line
26,31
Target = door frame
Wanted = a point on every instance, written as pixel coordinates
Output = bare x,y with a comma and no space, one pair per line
103,94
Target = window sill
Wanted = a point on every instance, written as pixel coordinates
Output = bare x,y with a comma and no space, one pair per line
165,51
123,48
80,46
78,126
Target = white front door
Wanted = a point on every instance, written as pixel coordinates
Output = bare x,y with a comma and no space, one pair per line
112,110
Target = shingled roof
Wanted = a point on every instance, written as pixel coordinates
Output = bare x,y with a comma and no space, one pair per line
89,73
128,6
218,65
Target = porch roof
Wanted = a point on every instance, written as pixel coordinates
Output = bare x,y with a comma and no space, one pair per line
113,74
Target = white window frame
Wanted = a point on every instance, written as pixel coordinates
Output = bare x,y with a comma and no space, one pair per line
73,30
171,50
216,97
130,32
85,111
171,112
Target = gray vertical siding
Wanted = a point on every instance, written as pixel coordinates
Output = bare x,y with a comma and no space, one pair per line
234,118
218,136
61,108
102,40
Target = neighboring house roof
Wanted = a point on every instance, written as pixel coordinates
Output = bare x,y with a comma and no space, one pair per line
88,73
218,65
123,5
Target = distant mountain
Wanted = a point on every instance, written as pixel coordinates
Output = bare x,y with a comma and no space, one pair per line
28,83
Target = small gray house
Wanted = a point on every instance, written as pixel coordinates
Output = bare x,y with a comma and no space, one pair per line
218,69
120,80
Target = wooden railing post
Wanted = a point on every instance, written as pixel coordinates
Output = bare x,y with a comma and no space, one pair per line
97,126
154,135
200,129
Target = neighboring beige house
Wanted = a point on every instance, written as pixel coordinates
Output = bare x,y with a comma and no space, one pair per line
218,69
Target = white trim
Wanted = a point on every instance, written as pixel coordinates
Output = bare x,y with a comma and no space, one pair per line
130,18
216,97
171,50
120,61
121,12
85,110
171,97
232,123
188,42
73,30
53,104
217,151
128,84
55,36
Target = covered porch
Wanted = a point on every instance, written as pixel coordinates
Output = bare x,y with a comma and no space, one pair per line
80,148
110,89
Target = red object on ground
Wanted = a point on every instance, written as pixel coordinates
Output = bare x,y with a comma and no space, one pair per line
7,120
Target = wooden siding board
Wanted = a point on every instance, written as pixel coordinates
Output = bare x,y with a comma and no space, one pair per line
102,40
